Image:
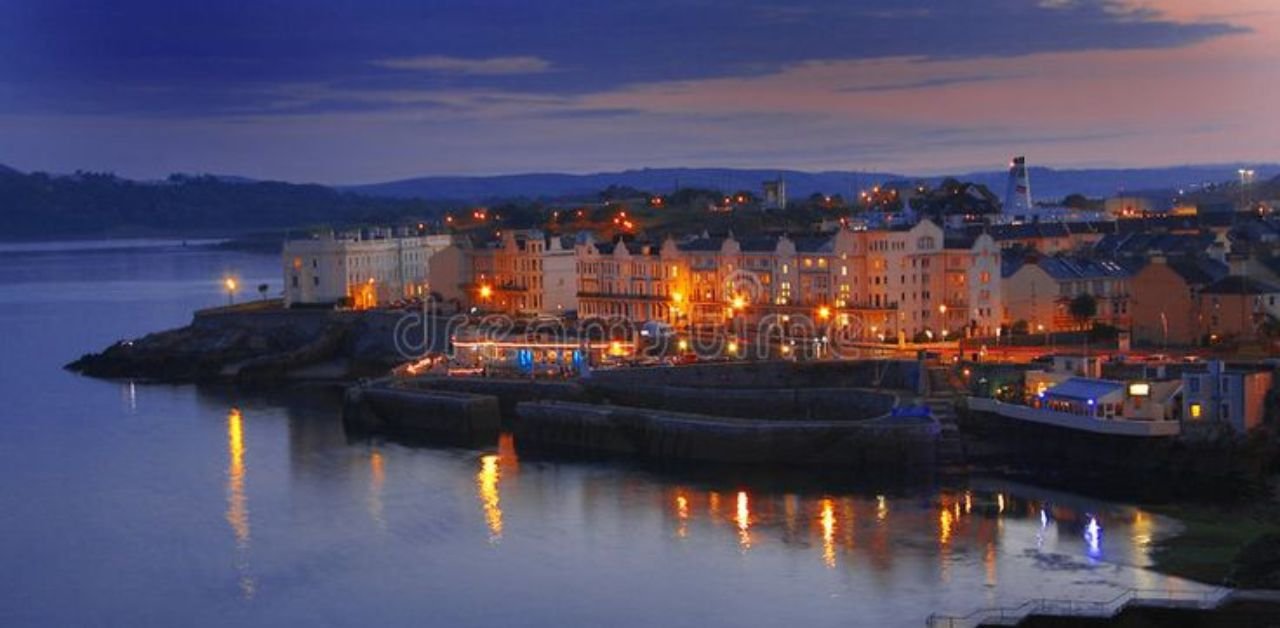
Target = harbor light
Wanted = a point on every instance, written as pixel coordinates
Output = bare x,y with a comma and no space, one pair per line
824,312
485,292
739,302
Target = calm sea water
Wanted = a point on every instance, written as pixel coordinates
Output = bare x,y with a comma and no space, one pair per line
128,505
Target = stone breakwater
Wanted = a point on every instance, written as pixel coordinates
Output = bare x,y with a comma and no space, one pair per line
261,342
705,413
442,415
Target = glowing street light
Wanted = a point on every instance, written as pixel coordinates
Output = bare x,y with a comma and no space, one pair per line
824,313
486,292
739,302
230,285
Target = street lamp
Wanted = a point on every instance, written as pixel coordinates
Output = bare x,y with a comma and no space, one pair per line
230,285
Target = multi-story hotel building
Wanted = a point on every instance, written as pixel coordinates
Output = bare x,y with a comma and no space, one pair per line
881,284
366,267
524,272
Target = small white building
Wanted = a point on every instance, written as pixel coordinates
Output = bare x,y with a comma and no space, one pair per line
1236,396
369,267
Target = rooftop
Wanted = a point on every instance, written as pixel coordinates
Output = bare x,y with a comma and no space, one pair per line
1240,284
1084,389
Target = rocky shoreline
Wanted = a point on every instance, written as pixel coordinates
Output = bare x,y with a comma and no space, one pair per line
260,342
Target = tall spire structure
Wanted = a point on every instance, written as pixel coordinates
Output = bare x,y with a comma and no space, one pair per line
1017,197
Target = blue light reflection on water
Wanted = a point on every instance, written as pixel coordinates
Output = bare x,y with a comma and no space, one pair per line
136,504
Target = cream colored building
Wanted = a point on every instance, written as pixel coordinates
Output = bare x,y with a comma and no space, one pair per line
368,267
1040,292
524,272
881,284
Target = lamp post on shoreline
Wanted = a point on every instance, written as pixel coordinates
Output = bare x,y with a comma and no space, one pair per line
230,285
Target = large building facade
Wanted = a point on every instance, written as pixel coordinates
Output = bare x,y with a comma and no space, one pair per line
360,268
523,272
866,285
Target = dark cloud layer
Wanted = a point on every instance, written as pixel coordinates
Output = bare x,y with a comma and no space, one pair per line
203,58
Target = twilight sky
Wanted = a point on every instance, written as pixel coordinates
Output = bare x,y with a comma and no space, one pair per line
350,91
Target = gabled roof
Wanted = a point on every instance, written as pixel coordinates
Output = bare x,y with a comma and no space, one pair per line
701,244
959,240
1239,284
1198,271
1061,267
1142,243
758,244
814,245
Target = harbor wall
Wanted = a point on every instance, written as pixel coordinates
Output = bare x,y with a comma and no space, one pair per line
832,404
897,443
449,416
904,375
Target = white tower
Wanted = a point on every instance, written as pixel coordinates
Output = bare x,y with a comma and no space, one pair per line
1017,197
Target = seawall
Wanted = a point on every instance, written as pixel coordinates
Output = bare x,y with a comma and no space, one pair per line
439,415
885,442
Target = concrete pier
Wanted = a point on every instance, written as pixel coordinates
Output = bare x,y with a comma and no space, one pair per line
452,416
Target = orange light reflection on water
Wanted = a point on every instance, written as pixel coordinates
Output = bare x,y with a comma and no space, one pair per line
487,489
743,518
237,514
828,532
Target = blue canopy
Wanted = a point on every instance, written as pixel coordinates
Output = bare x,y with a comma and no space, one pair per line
1084,389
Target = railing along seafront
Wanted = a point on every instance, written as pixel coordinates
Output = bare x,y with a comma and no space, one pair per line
1116,426
1013,615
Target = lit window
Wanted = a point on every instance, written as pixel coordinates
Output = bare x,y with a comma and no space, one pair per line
1195,411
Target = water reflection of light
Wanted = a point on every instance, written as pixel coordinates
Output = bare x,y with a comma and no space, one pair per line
882,508
1044,525
682,515
828,532
1093,538
743,518
131,397
1000,503
790,507
1142,529
237,503
945,521
377,477
989,563
487,488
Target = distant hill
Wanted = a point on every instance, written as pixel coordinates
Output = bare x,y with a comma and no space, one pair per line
37,205
1046,183
88,204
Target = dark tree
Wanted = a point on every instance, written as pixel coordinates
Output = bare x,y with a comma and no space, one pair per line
1083,308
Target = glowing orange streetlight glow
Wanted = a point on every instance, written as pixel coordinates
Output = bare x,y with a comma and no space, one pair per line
824,312
739,302
485,292
230,285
